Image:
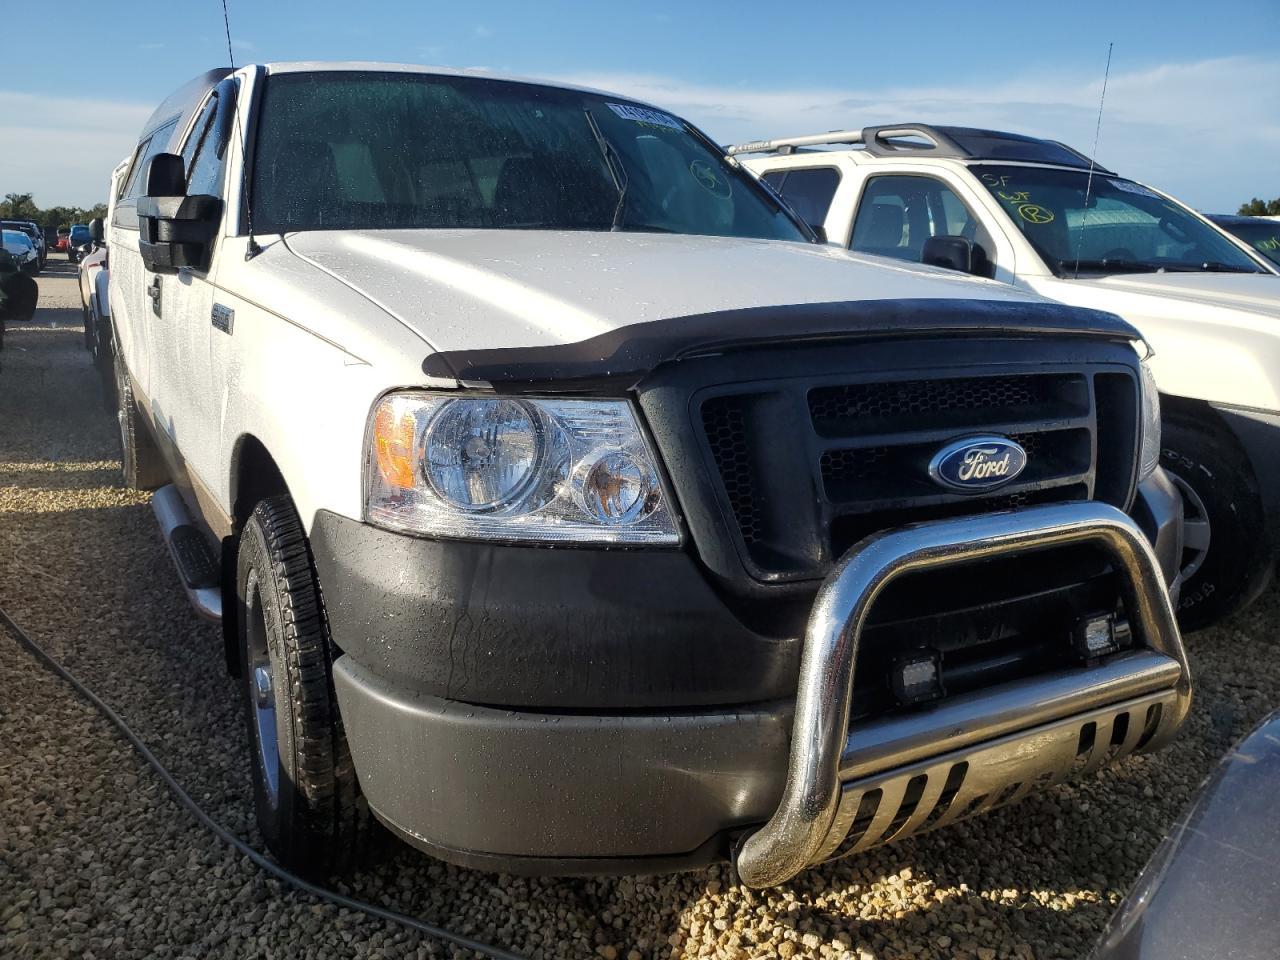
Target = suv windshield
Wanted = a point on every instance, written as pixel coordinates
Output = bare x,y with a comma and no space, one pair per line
356,150
1127,228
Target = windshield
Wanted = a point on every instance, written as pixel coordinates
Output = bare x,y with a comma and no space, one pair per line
354,150
16,241
1125,229
1262,235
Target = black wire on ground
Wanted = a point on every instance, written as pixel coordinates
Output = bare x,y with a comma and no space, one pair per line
229,838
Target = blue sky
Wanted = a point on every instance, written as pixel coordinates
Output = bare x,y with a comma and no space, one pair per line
1184,75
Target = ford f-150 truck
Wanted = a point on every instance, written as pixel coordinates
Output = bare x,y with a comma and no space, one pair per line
567,506
1040,216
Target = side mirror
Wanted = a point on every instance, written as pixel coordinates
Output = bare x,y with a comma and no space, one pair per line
96,233
954,253
175,230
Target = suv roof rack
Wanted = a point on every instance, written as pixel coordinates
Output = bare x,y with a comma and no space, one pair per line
880,140
963,143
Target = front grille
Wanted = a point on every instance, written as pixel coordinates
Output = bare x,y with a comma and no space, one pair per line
808,466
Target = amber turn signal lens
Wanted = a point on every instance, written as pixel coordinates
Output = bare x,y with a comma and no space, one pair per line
394,426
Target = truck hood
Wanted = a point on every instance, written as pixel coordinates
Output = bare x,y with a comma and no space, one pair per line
1255,292
472,292
1216,336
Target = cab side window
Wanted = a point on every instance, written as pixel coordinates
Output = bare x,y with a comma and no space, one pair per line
897,214
809,191
206,146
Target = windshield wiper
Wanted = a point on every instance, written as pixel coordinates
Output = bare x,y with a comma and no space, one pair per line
1216,266
617,170
1109,266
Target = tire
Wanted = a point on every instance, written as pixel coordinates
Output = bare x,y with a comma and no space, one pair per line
310,809
1224,560
140,459
102,350
88,328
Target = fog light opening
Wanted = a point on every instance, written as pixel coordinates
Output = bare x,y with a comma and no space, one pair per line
1095,636
917,677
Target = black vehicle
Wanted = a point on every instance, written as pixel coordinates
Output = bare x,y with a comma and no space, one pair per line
1261,233
18,292
33,231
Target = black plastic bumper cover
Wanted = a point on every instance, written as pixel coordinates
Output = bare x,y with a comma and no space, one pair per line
564,790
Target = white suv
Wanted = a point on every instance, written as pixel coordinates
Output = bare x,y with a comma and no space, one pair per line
572,509
1035,214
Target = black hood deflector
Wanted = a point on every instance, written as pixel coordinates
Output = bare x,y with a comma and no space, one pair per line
630,352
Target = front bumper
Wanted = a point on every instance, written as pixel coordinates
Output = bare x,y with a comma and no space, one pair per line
562,790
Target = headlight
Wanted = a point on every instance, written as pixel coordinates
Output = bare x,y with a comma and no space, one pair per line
1150,455
505,468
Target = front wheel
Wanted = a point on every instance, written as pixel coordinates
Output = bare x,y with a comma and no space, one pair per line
1224,561
310,809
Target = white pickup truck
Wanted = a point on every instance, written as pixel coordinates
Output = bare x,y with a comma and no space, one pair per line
570,508
1036,215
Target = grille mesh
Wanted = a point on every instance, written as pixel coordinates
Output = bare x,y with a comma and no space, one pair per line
724,420
913,400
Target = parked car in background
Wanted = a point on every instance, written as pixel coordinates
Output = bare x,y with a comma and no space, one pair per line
478,321
95,300
1035,214
93,267
33,231
79,241
22,249
18,292
64,239
1261,233
1212,888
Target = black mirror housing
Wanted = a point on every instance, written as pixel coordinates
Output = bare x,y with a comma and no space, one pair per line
954,253
175,230
96,233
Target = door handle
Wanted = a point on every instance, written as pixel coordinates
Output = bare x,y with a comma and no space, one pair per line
153,291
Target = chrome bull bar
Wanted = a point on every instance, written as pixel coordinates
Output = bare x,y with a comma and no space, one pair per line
1013,735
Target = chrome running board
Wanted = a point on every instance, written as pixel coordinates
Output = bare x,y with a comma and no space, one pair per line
188,552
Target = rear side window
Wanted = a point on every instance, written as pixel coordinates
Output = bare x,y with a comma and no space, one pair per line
156,143
809,191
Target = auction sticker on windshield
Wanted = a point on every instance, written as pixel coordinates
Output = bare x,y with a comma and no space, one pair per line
644,115
1129,187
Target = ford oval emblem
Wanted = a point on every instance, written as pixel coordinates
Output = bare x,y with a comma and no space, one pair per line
975,464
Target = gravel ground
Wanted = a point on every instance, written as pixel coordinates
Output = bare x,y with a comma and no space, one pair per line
96,860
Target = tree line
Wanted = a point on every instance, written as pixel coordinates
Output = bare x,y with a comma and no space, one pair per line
21,206
1260,208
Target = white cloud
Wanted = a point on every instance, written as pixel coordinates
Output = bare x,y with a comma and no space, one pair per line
1207,131
63,149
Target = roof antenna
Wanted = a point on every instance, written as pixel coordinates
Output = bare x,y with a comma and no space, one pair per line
1088,186
252,249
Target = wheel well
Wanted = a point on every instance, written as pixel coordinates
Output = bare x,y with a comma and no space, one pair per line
1184,408
254,476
